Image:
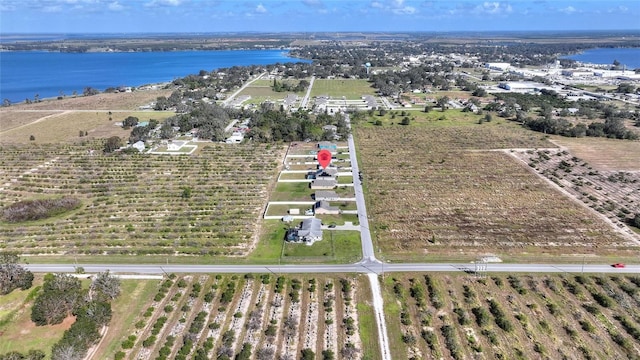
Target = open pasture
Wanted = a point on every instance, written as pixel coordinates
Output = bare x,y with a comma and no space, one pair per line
603,153
13,119
566,316
434,192
65,127
105,101
162,206
337,88
265,315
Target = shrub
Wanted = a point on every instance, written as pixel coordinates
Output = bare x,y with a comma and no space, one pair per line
29,210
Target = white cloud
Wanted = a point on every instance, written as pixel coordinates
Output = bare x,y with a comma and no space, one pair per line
115,6
52,9
493,7
568,10
260,9
397,7
154,3
407,10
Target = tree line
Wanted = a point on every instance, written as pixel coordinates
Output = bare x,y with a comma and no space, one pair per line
61,296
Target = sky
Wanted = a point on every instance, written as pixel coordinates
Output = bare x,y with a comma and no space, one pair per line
166,16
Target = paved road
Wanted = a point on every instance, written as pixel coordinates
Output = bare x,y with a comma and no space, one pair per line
359,267
227,100
365,235
307,95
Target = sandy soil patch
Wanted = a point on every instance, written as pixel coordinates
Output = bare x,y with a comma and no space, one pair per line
603,153
117,101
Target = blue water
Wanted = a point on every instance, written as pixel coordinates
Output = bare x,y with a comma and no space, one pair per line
25,74
626,56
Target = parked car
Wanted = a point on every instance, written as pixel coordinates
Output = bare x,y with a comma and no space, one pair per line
618,265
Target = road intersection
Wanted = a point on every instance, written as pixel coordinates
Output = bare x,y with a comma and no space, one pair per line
369,264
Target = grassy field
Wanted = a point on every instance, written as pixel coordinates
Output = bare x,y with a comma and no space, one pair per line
13,119
115,101
434,192
512,316
336,247
65,127
135,296
603,153
350,89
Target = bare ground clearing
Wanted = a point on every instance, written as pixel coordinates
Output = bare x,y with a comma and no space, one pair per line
602,153
430,197
104,101
613,195
66,126
13,119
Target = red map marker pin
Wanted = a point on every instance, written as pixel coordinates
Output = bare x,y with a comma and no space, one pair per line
324,158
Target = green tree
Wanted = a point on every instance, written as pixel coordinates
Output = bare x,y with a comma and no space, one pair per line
129,122
442,102
104,287
112,144
12,275
307,354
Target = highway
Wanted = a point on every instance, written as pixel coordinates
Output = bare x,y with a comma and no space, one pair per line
359,267
368,265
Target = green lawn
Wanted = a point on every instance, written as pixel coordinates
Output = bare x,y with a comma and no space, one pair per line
135,295
434,118
342,247
392,314
338,219
18,332
335,247
269,247
350,89
291,192
367,322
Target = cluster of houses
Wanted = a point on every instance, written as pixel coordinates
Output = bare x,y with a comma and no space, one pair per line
323,180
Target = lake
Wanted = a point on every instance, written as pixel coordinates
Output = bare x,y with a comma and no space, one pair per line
23,74
626,56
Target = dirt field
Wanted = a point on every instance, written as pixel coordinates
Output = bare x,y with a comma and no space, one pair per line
115,101
66,126
603,153
512,317
13,119
614,194
434,193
